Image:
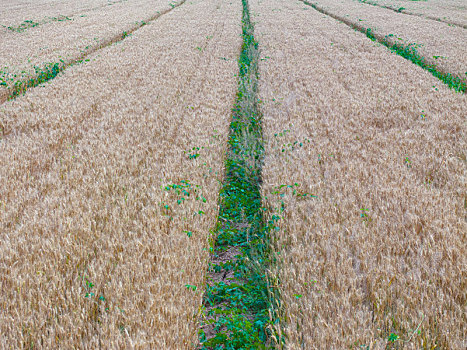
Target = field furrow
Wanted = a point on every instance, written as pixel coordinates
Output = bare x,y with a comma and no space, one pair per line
239,304
431,43
110,180
365,164
31,57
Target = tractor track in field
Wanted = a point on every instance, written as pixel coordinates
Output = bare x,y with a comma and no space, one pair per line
409,13
406,51
52,70
240,303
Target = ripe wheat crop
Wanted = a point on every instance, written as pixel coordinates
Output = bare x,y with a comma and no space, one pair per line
434,42
232,174
15,12
27,54
110,180
451,12
365,164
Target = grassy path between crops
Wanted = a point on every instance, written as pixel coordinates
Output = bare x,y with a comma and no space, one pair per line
409,52
239,302
51,70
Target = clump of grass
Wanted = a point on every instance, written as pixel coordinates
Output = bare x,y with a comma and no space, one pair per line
23,26
42,75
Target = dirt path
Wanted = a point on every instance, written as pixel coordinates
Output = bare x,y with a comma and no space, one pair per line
239,303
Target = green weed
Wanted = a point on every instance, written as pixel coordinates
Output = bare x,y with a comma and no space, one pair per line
42,75
179,193
24,26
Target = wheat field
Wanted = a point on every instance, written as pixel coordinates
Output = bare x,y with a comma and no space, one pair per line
15,12
437,42
452,11
29,48
372,243
90,255
232,174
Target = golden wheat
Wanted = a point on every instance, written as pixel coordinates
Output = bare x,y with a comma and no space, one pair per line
95,251
14,12
452,11
372,238
25,52
436,42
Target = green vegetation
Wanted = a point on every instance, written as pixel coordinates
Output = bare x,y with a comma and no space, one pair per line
24,26
410,53
6,77
179,193
243,311
42,75
27,24
194,152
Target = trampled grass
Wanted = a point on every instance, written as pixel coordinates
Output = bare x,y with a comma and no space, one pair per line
365,165
104,215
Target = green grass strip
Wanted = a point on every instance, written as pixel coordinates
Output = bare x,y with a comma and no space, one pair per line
245,308
409,52
43,74
23,26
